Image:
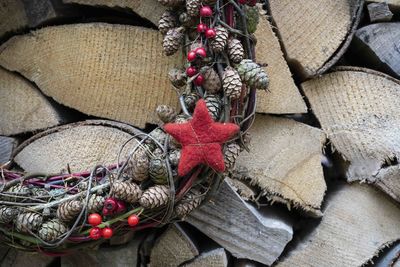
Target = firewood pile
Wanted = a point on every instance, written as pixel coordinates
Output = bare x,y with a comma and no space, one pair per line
305,95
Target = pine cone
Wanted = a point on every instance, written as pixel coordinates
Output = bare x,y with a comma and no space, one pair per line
177,77
173,40
166,113
252,17
17,192
167,21
95,203
155,197
231,152
235,50
189,202
139,165
219,42
252,74
158,171
41,193
188,21
231,83
174,157
181,119
126,191
7,214
212,82
190,100
193,7
52,230
158,135
28,221
69,210
214,105
171,3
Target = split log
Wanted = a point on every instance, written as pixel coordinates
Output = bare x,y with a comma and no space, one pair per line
283,96
7,146
81,146
315,33
377,45
173,248
23,108
388,180
241,229
285,162
118,256
19,258
214,258
148,9
395,4
379,12
113,71
358,222
359,111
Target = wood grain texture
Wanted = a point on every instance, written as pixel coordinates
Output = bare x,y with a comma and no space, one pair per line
7,145
359,111
82,146
241,229
213,258
12,16
285,162
283,96
23,108
388,180
314,31
148,9
358,222
378,44
173,248
112,71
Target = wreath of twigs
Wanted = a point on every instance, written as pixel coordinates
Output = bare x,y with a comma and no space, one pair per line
31,204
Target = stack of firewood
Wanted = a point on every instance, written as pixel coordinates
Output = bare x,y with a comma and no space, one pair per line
320,184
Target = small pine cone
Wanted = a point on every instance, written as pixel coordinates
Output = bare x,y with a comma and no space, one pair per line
155,197
28,221
139,165
126,191
212,82
171,3
167,21
214,105
188,203
7,214
16,192
190,100
174,157
166,113
231,83
173,40
193,7
235,50
188,21
40,192
252,18
219,42
69,210
52,230
157,134
177,77
252,74
158,171
231,152
95,203
181,119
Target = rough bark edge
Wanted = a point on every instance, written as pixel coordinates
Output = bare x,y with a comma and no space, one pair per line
113,124
365,70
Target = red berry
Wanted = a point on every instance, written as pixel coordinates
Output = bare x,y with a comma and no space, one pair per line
201,27
191,71
199,80
94,219
121,207
205,11
110,204
95,233
191,56
242,2
107,232
201,52
133,220
211,33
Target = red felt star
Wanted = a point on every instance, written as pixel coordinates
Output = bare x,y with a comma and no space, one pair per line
201,139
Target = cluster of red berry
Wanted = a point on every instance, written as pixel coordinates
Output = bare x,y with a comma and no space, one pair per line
113,206
96,232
